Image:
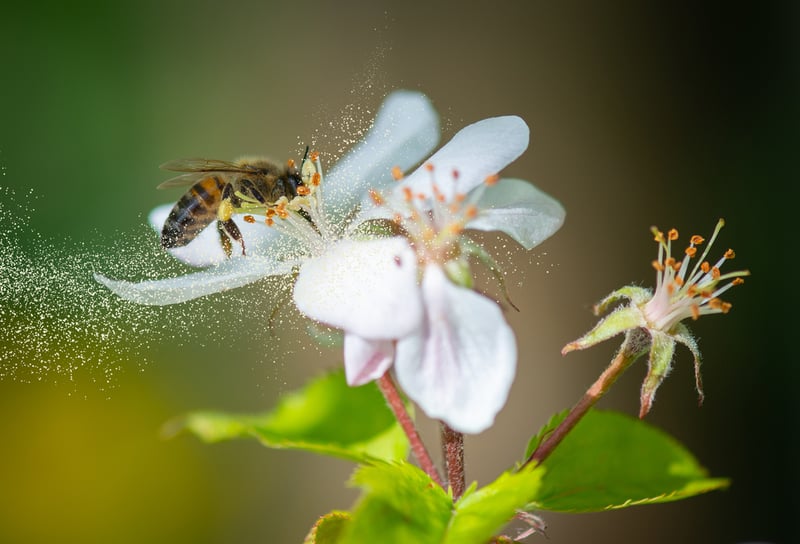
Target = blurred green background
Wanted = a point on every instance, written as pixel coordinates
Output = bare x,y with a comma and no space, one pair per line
641,114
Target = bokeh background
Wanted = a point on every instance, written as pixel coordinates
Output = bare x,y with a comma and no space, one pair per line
641,114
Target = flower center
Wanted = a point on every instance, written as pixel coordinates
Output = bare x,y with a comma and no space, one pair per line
679,293
432,222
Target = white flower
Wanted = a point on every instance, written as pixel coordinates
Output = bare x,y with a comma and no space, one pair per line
457,358
405,130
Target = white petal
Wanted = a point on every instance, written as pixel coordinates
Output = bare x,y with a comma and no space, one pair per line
477,151
232,273
206,249
366,360
405,131
520,210
460,368
367,288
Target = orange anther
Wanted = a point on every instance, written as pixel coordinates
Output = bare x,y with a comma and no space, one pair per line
407,194
715,303
249,219
269,221
730,254
471,212
695,309
658,266
316,179
715,273
455,228
459,197
691,251
314,156
658,236
290,163
303,190
726,307
738,281
670,262
429,166
679,281
672,234
671,289
697,240
491,180
397,174
376,197
705,267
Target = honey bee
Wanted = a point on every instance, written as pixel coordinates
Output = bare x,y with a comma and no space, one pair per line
221,188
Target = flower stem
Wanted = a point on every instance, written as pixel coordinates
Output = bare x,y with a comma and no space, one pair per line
453,452
627,354
389,390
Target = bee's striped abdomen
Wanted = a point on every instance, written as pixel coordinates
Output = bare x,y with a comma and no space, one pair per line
193,212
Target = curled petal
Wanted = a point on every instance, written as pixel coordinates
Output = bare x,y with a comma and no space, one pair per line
232,273
520,210
405,130
476,152
460,366
206,249
366,360
367,288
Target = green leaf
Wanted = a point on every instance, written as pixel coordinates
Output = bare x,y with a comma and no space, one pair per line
326,416
546,429
328,529
482,513
401,504
611,460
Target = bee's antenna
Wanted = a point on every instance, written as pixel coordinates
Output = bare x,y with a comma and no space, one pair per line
305,156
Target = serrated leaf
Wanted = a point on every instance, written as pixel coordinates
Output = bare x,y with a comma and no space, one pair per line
326,416
480,514
401,504
611,460
328,528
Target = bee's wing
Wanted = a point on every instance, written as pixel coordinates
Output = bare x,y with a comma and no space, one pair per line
183,180
201,165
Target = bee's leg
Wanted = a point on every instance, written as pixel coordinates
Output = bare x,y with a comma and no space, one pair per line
227,247
227,228
230,231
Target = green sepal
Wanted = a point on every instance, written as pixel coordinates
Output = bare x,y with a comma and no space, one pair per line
620,320
329,528
326,416
473,249
662,349
636,295
611,460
